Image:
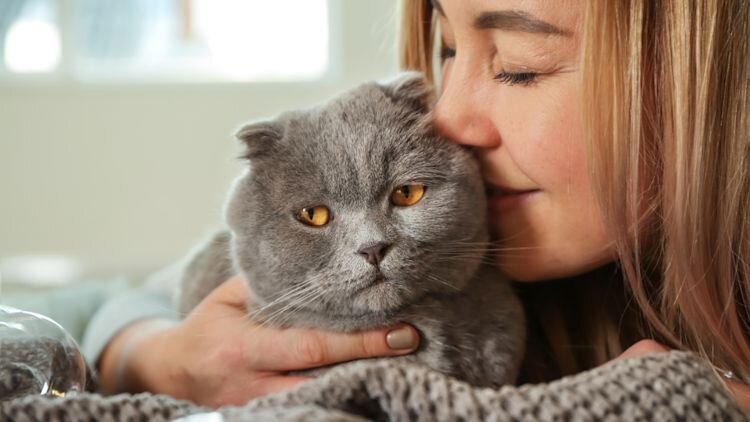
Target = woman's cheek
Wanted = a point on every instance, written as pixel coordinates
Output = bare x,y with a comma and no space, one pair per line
563,229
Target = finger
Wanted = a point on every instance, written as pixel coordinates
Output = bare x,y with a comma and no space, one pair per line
228,300
290,349
643,347
741,393
233,292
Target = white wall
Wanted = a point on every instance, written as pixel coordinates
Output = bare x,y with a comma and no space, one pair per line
127,178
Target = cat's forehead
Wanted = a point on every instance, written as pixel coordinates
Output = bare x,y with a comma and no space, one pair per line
360,126
356,145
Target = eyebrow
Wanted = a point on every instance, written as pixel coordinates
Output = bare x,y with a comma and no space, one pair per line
511,20
514,20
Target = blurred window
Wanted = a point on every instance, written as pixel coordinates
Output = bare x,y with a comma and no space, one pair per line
31,36
242,40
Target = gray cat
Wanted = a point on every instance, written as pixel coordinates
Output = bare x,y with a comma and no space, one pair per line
355,214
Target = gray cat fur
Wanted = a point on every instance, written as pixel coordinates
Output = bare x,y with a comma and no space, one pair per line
349,154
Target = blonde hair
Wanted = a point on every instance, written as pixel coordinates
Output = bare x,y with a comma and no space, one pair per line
667,123
670,156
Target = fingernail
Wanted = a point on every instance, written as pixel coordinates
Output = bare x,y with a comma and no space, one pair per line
402,338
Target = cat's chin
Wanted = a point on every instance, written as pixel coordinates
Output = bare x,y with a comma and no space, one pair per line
379,295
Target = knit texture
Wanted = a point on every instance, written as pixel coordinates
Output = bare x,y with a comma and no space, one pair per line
665,387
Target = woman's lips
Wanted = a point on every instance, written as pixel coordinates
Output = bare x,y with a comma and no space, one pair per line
503,199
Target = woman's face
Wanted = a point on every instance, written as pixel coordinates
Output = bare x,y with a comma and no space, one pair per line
511,89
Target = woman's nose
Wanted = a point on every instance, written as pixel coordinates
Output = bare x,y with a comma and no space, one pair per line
462,113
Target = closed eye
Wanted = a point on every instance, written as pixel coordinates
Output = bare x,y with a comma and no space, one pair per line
519,78
447,53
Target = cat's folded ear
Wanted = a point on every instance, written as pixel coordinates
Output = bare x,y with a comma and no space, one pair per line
411,88
259,138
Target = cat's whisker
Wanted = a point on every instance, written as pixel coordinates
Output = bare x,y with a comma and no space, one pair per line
307,287
286,296
463,258
489,260
481,249
477,252
276,317
489,256
293,302
437,279
283,318
290,300
519,248
297,290
461,254
484,261
295,293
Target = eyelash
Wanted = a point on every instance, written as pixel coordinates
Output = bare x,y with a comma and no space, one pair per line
510,78
520,78
447,53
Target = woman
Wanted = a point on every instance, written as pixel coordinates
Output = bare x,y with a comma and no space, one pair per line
614,138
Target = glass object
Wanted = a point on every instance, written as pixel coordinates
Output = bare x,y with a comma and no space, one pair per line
37,356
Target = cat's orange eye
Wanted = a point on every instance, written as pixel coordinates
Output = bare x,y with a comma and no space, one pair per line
407,195
314,216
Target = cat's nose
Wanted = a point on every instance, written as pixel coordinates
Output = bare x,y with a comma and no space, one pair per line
374,252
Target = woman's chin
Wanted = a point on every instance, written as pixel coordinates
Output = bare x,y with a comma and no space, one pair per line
537,268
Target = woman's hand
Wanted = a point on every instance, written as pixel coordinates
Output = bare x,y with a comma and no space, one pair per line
741,391
643,347
217,356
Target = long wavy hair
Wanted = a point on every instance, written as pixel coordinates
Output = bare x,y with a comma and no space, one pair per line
667,126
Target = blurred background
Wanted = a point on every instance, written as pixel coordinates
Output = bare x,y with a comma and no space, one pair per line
116,118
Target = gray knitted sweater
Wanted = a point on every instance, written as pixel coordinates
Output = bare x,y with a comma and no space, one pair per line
663,387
